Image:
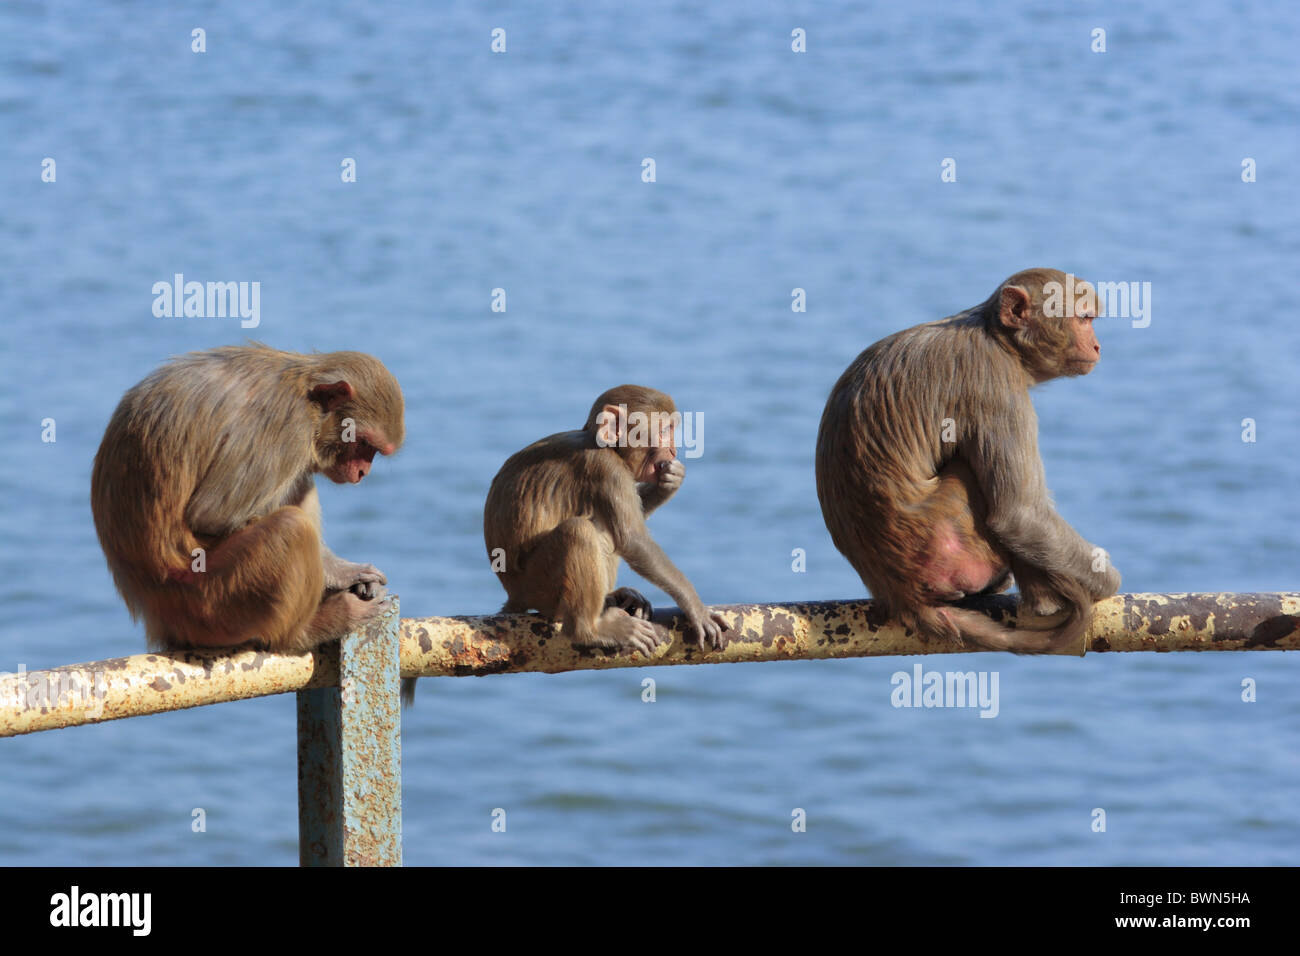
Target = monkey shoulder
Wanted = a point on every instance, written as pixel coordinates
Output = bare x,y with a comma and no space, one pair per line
553,455
554,479
922,388
562,466
213,388
916,367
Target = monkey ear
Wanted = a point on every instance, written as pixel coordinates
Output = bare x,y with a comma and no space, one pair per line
331,396
610,426
1014,307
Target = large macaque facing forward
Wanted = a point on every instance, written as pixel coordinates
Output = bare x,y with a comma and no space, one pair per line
565,509
205,501
929,475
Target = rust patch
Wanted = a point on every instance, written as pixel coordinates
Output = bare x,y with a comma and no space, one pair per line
469,658
1243,621
1145,615
1267,633
483,670
776,624
1200,608
876,616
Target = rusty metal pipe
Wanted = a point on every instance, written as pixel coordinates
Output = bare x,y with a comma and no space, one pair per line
501,643
514,643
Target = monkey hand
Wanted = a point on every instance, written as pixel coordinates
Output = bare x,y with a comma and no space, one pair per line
1104,583
668,478
669,475
708,626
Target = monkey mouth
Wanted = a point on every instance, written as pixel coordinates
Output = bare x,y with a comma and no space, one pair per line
347,473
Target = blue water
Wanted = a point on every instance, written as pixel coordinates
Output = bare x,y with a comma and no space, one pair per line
775,170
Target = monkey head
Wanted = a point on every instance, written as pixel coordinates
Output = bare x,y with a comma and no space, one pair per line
1046,317
640,425
361,414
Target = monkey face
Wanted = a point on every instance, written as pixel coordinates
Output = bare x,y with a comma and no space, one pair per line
643,435
661,450
1085,350
352,463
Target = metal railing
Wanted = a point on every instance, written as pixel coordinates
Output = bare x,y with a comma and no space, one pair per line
349,720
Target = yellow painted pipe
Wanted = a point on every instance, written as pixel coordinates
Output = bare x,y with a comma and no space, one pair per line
501,643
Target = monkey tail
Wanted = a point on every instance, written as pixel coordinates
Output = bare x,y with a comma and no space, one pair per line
408,691
978,629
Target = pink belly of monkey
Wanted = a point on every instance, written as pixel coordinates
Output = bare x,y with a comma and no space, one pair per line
952,569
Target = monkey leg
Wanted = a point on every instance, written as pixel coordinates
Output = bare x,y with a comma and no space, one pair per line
1054,614
959,556
571,572
966,559
262,583
341,612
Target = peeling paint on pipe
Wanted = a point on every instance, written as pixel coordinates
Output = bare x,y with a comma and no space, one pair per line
514,643
153,684
501,643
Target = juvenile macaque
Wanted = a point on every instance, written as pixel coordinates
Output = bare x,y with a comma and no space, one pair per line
568,507
929,475
564,511
205,502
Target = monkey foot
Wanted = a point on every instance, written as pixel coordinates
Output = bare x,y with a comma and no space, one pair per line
630,600
368,590
618,630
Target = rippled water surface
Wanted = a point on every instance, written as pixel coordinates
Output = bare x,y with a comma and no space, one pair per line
774,170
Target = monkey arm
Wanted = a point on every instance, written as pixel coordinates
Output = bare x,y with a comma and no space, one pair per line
340,574
644,556
652,496
647,559
622,515
1007,466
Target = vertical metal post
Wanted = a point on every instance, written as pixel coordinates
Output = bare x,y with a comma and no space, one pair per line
350,755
